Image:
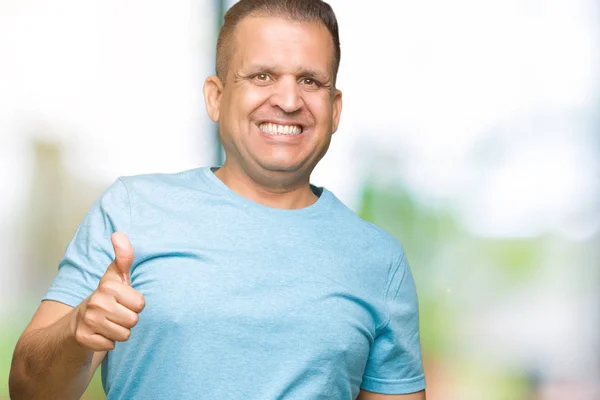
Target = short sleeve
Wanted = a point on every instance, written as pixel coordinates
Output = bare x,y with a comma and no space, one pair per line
395,364
90,252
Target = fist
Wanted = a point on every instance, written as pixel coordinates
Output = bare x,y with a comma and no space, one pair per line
111,311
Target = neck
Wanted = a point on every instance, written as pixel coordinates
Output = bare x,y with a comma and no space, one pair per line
288,197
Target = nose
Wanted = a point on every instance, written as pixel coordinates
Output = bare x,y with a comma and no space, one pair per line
287,95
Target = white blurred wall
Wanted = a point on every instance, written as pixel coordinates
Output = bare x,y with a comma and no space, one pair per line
118,84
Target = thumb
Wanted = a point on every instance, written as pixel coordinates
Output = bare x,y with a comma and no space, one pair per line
123,256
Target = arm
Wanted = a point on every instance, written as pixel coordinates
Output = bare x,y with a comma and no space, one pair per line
62,347
49,360
365,395
395,363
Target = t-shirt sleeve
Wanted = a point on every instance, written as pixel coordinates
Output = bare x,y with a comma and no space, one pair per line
90,252
395,364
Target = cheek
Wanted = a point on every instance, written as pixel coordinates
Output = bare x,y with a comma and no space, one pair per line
255,96
320,107
250,99
226,108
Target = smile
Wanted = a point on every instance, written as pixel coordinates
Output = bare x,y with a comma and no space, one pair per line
276,129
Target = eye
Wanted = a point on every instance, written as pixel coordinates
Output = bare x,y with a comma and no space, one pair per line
311,83
262,77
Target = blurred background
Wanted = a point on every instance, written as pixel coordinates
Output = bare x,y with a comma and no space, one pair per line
470,131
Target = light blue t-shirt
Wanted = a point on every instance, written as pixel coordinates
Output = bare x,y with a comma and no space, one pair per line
245,301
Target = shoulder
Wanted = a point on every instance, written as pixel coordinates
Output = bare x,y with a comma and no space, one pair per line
156,181
364,234
155,190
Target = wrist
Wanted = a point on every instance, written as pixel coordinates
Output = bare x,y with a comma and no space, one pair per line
71,321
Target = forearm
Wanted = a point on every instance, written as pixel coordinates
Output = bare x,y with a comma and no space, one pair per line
49,363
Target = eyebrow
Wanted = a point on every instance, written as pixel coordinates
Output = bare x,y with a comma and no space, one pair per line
311,73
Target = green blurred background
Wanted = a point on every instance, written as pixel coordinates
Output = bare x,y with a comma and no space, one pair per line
470,132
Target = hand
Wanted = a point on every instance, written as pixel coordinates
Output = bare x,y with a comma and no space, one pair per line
110,312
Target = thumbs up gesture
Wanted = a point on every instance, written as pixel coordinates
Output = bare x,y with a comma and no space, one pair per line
111,311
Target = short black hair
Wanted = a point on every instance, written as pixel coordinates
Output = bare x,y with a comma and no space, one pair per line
297,10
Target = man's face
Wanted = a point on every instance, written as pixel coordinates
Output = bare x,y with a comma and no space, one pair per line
277,108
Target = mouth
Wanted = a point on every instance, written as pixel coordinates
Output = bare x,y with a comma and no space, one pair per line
280,130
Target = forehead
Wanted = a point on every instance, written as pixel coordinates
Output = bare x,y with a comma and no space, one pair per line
282,43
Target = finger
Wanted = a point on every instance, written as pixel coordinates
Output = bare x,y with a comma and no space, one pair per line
123,316
98,342
123,255
112,292
130,299
112,331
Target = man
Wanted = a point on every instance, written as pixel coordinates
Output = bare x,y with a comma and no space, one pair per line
238,282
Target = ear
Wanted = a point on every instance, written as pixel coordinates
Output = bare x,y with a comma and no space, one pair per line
337,110
213,89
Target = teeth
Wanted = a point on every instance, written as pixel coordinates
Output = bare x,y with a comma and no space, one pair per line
274,129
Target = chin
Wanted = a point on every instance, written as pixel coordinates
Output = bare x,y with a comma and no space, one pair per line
283,166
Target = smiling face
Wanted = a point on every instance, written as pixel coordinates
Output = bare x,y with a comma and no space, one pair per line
277,108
